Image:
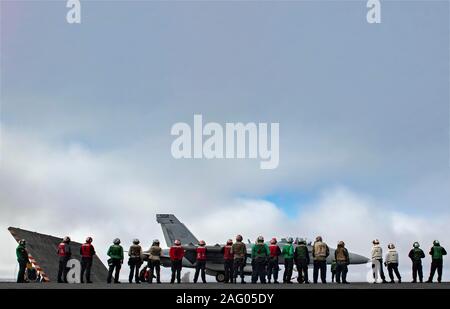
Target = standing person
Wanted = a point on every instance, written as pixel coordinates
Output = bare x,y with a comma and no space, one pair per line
176,254
273,266
228,261
115,252
437,253
22,259
377,261
320,253
333,270
392,263
260,255
200,264
301,257
239,251
342,260
87,253
135,261
64,253
416,255
154,261
288,255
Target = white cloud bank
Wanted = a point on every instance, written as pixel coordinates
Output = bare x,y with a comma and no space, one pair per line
69,190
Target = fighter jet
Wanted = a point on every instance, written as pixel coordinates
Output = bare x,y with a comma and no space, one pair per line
173,229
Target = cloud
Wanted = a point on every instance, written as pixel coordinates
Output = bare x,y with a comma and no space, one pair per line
71,190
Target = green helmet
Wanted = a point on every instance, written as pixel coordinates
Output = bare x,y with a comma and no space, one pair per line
416,245
436,242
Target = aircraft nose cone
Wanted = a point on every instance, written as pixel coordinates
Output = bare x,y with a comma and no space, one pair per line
358,259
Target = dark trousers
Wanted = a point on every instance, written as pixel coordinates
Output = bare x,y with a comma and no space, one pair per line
228,265
272,269
86,265
239,264
154,266
380,268
63,269
417,269
21,275
333,274
341,272
302,268
322,267
393,268
288,267
135,264
259,270
436,265
114,265
176,271
200,266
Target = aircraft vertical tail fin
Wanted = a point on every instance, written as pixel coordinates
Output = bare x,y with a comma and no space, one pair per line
173,229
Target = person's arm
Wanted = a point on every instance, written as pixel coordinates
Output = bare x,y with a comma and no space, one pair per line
431,251
92,250
328,251
109,252
129,252
121,254
422,254
278,251
347,257
313,251
253,253
443,251
267,250
410,254
307,256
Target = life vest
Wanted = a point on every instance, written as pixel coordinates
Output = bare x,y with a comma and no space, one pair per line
86,250
437,252
340,255
201,253
274,250
320,249
239,249
62,249
302,252
227,253
176,253
417,254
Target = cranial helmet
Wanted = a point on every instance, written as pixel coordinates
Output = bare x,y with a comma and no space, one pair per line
391,246
302,241
177,242
239,237
229,242
273,241
89,239
66,239
341,243
116,241
416,245
136,241
260,239
22,242
290,240
436,243
376,242
202,243
319,238
156,241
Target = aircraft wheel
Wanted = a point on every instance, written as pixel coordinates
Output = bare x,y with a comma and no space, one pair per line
220,277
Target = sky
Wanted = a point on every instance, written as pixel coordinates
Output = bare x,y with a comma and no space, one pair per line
87,109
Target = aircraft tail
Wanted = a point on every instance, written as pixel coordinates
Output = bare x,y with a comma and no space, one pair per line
173,229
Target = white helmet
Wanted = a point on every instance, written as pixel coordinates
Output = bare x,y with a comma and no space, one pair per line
136,241
116,241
